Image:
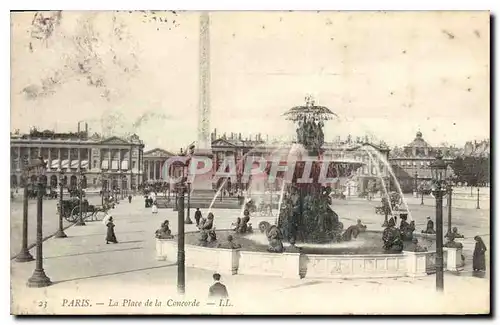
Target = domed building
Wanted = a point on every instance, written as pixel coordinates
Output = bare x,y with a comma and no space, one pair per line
411,164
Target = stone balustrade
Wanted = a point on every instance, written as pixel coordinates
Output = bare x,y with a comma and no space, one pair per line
295,265
355,266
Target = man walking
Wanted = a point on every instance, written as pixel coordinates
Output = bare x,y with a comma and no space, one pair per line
197,216
217,290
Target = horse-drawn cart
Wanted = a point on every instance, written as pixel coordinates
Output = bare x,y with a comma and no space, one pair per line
71,210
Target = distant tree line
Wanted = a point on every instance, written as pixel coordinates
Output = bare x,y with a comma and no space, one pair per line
475,171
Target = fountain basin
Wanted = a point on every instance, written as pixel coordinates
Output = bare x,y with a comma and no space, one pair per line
298,265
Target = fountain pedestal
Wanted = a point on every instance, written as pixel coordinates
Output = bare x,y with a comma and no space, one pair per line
291,266
416,263
453,259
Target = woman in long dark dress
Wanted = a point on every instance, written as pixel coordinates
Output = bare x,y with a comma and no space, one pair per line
110,235
478,259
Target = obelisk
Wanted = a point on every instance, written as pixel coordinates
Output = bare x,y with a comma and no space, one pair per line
203,147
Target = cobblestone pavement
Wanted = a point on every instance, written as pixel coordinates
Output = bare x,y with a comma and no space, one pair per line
83,266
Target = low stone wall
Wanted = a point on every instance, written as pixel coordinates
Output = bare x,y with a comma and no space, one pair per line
286,265
295,265
354,266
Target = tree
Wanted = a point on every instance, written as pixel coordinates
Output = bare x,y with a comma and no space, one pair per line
473,170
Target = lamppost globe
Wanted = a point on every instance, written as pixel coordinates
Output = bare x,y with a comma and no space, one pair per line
438,169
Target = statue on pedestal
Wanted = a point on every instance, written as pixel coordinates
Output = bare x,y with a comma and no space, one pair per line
451,243
164,232
274,236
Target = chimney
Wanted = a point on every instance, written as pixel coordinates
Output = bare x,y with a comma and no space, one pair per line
239,136
215,133
86,128
78,126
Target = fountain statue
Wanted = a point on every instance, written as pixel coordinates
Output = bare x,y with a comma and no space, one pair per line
164,232
391,237
451,243
305,214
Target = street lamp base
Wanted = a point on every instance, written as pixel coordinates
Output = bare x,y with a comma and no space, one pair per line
60,234
24,256
80,223
39,279
188,221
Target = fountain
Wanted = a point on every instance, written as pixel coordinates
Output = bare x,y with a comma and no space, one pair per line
308,238
307,216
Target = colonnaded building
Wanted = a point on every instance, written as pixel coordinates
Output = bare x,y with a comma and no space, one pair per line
105,162
372,156
234,145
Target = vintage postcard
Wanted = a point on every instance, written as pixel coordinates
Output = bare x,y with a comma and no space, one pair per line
242,163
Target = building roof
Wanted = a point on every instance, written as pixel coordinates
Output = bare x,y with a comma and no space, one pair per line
418,142
158,152
235,142
81,136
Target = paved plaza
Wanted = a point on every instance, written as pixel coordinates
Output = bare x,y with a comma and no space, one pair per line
84,266
50,219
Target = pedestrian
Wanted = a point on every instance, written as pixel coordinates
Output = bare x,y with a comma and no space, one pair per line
478,259
217,290
130,198
197,216
110,235
154,209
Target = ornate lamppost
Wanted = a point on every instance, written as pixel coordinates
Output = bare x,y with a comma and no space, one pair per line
60,232
39,278
124,177
181,257
422,194
415,184
449,190
80,221
188,220
477,206
438,169
25,255
102,188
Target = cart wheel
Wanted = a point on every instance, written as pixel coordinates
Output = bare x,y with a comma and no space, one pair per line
74,215
89,216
